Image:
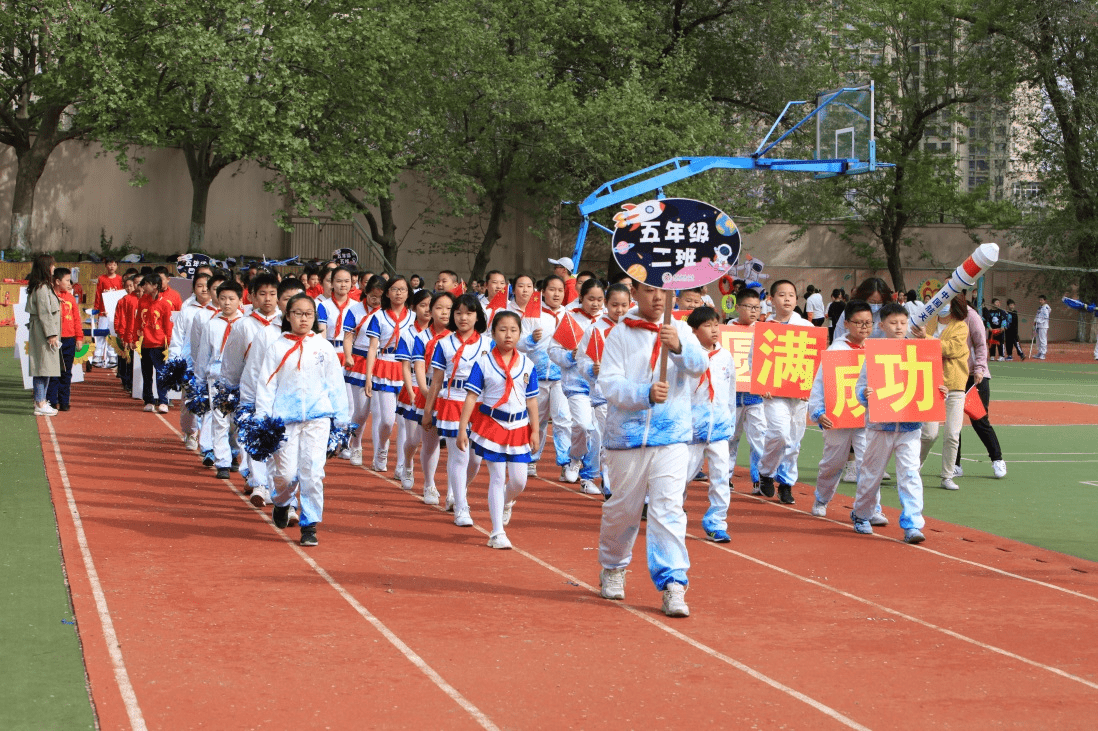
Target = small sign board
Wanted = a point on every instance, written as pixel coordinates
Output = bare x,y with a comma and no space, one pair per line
345,257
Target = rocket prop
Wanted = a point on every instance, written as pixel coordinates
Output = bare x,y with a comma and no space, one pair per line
1078,305
963,277
674,243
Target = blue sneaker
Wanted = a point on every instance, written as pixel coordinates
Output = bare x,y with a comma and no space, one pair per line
913,535
861,526
718,536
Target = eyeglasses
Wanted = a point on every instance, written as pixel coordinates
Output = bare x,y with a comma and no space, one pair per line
751,308
863,324
299,313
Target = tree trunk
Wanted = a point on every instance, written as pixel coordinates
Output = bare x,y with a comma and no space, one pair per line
203,164
31,163
893,223
491,235
388,240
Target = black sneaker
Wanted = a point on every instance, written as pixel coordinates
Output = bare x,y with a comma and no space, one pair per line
308,536
281,516
208,461
644,512
766,485
222,473
785,493
63,407
234,467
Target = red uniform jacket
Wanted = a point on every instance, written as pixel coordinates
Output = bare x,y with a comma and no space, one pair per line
71,326
124,316
154,317
105,284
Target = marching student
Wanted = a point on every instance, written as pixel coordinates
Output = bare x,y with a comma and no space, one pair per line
452,362
125,314
410,434
301,383
448,281
384,330
107,282
953,333
582,452
523,290
1011,333
196,306
494,284
331,312
154,327
858,322
198,332
689,299
883,440
423,351
166,287
353,351
750,411
72,338
209,361
238,345
785,417
712,421
537,337
505,427
1040,326
647,431
618,301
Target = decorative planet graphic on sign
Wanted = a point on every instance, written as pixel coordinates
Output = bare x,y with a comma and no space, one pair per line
675,243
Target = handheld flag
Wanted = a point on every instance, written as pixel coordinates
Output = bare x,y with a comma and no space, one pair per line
568,333
974,405
596,346
499,302
533,307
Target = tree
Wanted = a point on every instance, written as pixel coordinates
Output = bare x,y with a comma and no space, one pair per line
56,55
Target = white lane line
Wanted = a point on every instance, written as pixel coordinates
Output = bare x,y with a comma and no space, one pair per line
410,654
114,649
875,605
717,655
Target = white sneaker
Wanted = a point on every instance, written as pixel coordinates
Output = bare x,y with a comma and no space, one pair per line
499,540
674,601
378,466
430,495
356,457
449,502
1000,358
570,472
148,407
507,512
292,518
850,473
999,468
819,509
162,408
345,454
588,487
259,497
949,484
191,442
46,410
612,583
532,470
407,480
878,520
463,519
958,471
755,489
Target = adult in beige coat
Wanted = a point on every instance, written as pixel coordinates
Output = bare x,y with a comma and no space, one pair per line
44,339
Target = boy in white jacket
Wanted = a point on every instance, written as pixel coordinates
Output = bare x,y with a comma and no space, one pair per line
208,363
648,428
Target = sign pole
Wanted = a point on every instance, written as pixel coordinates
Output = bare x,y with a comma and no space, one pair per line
666,321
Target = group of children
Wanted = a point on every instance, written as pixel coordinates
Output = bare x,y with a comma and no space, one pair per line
479,377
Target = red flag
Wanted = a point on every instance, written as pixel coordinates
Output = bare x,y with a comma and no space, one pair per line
533,307
974,405
596,345
498,302
568,333
459,290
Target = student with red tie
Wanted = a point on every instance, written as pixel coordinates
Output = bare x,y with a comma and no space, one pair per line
153,324
384,330
209,364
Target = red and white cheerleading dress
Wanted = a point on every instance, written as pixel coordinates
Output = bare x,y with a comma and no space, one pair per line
387,327
456,359
331,315
356,320
410,405
501,423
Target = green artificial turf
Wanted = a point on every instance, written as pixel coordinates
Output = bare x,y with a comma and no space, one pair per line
1045,499
44,685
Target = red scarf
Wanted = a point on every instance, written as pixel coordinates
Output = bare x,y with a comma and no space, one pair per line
650,327
299,346
580,311
608,321
262,319
555,315
395,338
339,322
429,348
708,375
228,329
510,384
473,338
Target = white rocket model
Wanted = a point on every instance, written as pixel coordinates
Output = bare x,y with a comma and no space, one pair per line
964,277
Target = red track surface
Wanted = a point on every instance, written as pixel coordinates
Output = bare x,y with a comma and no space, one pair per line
1043,413
798,623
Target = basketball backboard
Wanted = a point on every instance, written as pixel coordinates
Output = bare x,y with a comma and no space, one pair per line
844,124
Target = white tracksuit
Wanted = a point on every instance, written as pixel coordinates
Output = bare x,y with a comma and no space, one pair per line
577,391
785,425
208,363
1040,328
713,423
551,399
301,382
246,337
593,465
837,442
180,347
647,450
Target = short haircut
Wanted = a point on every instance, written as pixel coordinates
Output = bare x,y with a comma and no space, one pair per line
162,270
230,285
586,273
216,278
702,315
262,279
695,290
1010,301
911,296
892,308
550,278
1042,297
289,283
587,286
60,273
747,293
506,315
110,260
780,282
853,307
310,269
471,303
451,274
200,277
836,293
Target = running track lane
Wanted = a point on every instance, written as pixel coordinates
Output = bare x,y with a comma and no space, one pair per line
194,576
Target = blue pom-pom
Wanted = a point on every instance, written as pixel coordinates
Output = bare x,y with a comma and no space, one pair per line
195,399
245,414
171,375
261,437
339,437
226,398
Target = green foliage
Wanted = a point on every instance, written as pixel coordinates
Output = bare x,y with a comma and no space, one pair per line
106,246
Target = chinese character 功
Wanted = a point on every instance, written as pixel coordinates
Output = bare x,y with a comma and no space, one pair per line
919,380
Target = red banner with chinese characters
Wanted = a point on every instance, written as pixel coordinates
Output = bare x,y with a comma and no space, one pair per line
841,369
784,359
736,339
905,376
